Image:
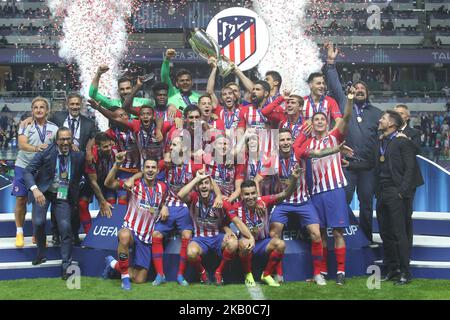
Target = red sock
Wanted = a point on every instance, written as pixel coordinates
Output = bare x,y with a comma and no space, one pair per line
274,259
226,257
123,264
117,267
197,264
183,256
123,201
279,269
340,259
247,263
157,255
317,252
85,215
324,265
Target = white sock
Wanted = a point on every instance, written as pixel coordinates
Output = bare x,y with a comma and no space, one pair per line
123,276
341,272
113,264
19,230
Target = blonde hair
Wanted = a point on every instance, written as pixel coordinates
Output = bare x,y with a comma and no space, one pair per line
39,98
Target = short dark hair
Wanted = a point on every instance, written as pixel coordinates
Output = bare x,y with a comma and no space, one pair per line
320,112
299,98
189,109
160,86
396,118
101,137
264,84
248,184
74,95
404,106
365,87
61,129
183,72
276,76
151,159
206,95
123,79
284,130
146,106
314,75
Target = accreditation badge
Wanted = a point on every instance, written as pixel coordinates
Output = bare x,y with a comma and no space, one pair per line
63,190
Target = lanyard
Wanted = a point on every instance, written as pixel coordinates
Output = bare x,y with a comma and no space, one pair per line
205,213
127,137
145,141
254,169
313,105
63,168
248,220
229,119
178,175
186,99
222,172
296,125
151,200
286,171
389,139
42,133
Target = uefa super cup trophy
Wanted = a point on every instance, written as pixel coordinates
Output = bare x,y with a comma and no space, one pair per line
205,46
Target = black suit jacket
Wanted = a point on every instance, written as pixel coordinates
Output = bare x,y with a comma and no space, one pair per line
42,169
414,135
88,128
401,159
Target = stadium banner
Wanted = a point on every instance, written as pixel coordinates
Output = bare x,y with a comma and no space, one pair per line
104,231
367,56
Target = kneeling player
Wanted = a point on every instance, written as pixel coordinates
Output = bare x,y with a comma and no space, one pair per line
253,211
211,231
146,205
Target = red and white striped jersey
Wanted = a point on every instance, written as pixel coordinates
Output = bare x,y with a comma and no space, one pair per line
259,226
326,105
225,175
177,177
126,141
144,205
327,171
229,118
252,117
148,145
295,127
208,221
285,166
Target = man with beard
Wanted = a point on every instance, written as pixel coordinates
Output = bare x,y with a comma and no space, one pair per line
228,111
211,227
181,95
125,88
147,205
362,137
103,159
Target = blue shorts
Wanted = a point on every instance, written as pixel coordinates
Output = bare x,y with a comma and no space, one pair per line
19,189
332,208
210,243
123,175
142,253
261,246
179,219
305,210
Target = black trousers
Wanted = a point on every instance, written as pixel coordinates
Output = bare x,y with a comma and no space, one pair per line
393,217
364,183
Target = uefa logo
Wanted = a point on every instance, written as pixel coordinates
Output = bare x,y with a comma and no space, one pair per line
242,36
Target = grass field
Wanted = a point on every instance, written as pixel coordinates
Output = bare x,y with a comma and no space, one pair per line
98,289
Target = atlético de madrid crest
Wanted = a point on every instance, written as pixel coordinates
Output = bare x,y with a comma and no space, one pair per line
242,36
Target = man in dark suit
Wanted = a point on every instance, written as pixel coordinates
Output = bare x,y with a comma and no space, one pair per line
413,135
83,132
54,176
397,176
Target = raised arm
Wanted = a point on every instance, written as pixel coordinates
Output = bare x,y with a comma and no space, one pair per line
111,182
212,81
248,84
108,114
128,102
183,194
333,82
342,125
296,173
93,89
165,72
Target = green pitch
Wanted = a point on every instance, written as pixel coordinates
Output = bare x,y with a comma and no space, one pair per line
98,289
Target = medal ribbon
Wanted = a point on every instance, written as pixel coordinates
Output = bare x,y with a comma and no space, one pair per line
228,119
178,175
42,133
151,200
285,171
143,141
296,125
254,169
313,105
204,213
63,167
388,139
222,171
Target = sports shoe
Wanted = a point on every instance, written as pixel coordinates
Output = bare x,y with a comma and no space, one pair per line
19,240
278,278
324,275
160,279
320,280
218,279
108,269
126,284
249,281
269,280
182,281
340,279
204,278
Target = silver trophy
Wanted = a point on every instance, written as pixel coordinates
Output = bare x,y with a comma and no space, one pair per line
205,46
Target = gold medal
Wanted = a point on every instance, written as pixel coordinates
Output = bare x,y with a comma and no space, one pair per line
152,211
64,175
382,158
350,96
359,119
